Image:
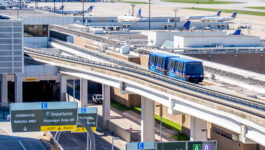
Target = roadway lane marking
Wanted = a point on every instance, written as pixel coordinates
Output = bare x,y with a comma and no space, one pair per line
22,145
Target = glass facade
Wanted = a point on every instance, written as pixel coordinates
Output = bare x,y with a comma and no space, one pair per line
35,30
11,46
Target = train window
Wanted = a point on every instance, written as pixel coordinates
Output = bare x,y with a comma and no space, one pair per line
194,68
171,64
181,66
157,60
176,65
152,59
161,61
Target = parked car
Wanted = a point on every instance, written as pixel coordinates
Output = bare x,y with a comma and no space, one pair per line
97,98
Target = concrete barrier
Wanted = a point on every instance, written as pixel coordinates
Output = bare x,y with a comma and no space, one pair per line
115,129
70,98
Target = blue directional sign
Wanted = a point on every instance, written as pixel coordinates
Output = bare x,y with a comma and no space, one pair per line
140,146
90,114
44,105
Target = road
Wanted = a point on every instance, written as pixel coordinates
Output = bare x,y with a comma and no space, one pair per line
19,141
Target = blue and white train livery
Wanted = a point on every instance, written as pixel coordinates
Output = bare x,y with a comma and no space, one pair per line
176,67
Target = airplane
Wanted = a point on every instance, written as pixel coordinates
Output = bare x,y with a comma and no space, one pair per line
219,19
130,18
200,17
186,26
74,12
237,32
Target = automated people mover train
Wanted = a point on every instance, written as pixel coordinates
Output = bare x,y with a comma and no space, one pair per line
176,67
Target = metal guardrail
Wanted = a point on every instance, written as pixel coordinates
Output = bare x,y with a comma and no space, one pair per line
84,34
250,104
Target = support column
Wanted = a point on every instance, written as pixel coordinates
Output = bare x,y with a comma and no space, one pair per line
106,105
147,120
4,90
198,129
18,88
83,92
63,88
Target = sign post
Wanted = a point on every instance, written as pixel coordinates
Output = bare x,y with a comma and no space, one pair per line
43,116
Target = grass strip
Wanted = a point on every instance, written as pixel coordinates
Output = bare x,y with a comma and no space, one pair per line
133,2
261,8
231,11
181,137
199,1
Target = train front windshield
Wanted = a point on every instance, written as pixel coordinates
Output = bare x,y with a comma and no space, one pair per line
194,68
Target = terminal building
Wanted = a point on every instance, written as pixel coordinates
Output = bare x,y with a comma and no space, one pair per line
188,41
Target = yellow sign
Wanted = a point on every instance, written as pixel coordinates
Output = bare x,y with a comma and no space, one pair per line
83,129
31,79
58,128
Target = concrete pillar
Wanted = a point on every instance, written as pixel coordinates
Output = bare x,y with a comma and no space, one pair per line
147,120
83,92
106,105
198,129
18,88
63,88
4,90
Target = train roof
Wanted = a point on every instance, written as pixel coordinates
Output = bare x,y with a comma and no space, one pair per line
183,59
162,54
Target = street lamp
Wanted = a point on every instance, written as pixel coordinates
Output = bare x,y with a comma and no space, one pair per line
83,12
149,15
175,19
133,5
114,138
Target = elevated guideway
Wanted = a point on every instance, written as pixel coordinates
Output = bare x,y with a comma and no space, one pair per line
232,112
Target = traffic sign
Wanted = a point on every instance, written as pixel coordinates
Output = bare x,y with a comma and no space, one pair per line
90,114
43,116
202,145
187,145
140,146
171,145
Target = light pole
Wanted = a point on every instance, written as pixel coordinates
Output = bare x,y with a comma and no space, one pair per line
83,12
149,15
62,7
114,138
175,19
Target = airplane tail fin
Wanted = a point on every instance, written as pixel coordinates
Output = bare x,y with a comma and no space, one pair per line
90,7
234,15
139,14
219,13
186,26
62,7
237,32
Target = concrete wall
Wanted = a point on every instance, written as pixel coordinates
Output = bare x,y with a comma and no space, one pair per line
115,130
126,57
82,41
210,41
252,62
129,100
40,20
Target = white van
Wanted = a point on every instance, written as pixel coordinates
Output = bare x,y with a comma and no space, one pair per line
97,98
